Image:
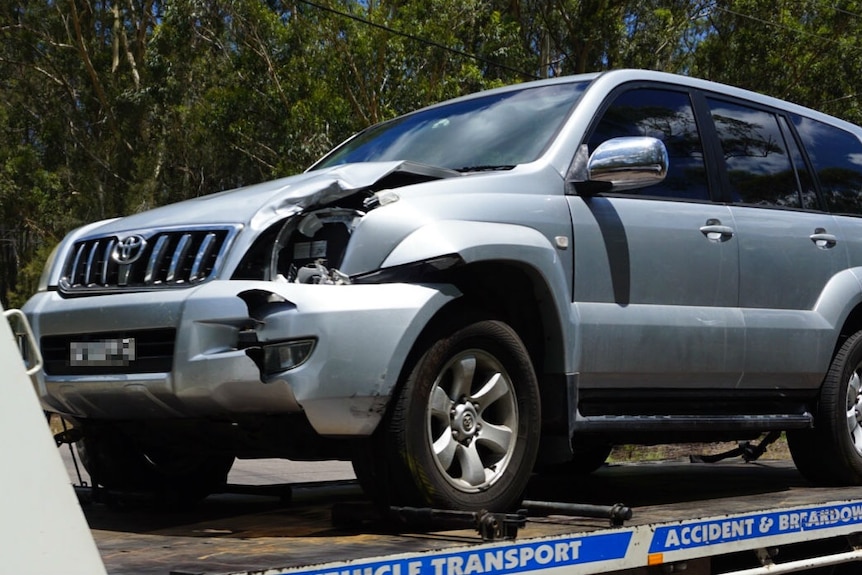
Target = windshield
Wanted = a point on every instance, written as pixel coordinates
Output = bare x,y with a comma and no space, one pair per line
494,131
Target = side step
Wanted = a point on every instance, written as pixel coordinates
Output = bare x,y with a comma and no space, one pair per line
646,423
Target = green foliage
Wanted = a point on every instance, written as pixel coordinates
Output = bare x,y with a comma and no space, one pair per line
108,108
803,51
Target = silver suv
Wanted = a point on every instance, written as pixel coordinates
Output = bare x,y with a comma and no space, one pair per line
526,276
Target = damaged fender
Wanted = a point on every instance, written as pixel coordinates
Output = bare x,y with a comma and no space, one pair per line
362,335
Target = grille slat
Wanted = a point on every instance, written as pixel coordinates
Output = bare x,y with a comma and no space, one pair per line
77,268
156,258
88,269
123,275
106,258
203,254
178,258
168,259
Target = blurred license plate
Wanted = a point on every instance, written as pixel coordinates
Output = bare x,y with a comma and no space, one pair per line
102,352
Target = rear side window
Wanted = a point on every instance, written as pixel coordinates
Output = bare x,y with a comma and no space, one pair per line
668,116
836,156
758,165
810,199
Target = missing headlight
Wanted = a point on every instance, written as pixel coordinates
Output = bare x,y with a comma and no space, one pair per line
309,247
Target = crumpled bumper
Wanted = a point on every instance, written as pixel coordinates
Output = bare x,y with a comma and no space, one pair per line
363,333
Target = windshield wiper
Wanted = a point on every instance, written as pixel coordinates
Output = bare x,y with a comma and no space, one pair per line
484,168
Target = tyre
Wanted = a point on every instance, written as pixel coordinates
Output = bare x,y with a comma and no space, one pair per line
116,462
369,461
831,452
464,431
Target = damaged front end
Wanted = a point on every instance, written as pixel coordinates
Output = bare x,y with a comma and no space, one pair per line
339,347
297,228
304,234
237,318
310,247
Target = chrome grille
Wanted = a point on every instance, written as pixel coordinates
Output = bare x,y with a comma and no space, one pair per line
168,259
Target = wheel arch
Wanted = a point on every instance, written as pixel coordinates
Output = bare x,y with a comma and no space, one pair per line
518,294
852,324
840,304
516,274
510,270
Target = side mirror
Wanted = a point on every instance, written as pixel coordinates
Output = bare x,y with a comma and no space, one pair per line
620,164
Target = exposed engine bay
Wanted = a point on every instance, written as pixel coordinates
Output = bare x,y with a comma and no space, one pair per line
309,248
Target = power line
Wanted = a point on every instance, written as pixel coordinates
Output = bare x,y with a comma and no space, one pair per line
848,12
802,33
493,63
418,39
782,26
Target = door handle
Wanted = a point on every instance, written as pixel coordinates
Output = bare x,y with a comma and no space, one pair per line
823,240
715,231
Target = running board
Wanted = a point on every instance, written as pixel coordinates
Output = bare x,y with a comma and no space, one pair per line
706,423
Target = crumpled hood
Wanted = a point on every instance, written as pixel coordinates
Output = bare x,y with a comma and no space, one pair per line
274,198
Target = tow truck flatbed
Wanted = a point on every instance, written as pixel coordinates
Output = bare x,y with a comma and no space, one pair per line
707,518
703,519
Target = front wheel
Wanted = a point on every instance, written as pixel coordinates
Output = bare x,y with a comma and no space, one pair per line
831,453
464,430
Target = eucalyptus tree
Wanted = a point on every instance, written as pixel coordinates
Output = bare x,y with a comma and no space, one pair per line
807,51
575,36
108,107
72,76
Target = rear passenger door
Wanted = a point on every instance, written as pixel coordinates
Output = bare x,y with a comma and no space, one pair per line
656,269
789,247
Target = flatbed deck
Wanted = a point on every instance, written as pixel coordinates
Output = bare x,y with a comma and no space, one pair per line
274,529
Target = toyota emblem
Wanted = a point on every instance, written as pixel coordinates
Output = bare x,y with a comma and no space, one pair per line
129,249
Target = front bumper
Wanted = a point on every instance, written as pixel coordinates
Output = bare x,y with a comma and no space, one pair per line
363,335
